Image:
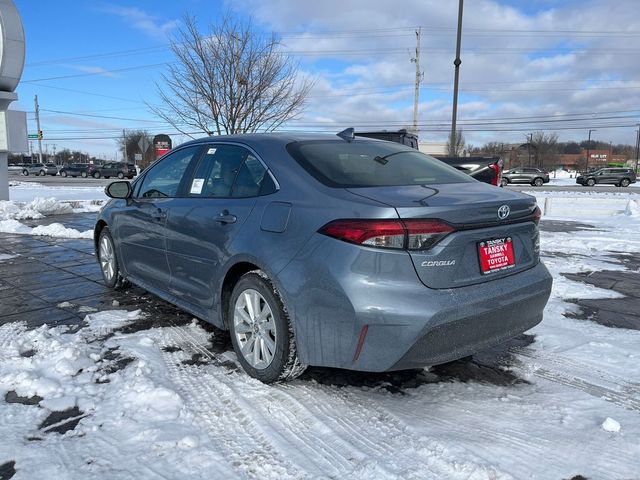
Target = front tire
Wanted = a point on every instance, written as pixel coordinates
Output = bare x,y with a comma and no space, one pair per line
84,175
504,182
63,173
25,173
96,175
591,182
108,260
120,175
261,331
42,173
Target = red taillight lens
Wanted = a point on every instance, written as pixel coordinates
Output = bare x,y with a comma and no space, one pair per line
415,234
537,214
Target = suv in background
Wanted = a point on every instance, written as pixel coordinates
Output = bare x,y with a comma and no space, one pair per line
116,169
78,170
40,169
620,177
531,175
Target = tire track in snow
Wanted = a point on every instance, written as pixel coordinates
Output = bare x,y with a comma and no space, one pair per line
231,430
397,453
592,381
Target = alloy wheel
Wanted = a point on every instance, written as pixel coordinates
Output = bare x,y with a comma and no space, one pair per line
255,329
107,259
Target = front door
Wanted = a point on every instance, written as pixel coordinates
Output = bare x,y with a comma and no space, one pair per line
141,226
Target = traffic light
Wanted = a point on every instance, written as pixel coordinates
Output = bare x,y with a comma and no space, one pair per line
39,134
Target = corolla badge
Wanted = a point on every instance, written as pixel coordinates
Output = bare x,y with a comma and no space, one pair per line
503,212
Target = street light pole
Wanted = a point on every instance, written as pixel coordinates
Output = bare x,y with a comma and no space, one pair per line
586,166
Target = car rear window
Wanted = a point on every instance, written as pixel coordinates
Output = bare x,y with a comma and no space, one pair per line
341,164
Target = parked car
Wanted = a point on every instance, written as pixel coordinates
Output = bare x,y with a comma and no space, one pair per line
533,176
483,169
620,177
78,170
314,250
41,169
116,169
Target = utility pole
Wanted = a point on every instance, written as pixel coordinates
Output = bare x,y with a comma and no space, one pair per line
416,95
637,147
38,127
529,142
124,142
457,63
54,153
586,167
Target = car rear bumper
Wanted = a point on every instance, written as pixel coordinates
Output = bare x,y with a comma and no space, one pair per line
370,312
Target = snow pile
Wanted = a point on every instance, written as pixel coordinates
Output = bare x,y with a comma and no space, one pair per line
53,230
27,191
610,425
37,208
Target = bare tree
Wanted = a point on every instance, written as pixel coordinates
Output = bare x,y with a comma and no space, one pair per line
457,149
232,80
546,145
132,139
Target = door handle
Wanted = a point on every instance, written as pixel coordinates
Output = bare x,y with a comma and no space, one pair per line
159,215
226,217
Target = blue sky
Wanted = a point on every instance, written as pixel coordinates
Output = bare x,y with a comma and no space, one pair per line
535,64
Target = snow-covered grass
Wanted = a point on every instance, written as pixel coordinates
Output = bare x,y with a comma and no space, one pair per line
27,191
159,416
11,212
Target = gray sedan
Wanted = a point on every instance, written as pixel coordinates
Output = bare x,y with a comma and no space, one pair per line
317,250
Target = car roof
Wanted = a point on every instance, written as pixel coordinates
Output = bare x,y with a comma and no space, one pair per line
281,138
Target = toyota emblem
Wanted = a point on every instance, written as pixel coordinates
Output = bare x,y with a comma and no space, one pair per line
503,212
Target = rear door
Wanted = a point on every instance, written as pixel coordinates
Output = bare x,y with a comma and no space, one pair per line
201,227
140,226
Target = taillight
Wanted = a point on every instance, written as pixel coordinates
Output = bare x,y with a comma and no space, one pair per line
414,234
537,214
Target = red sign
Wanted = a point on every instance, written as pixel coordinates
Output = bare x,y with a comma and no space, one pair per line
161,144
496,255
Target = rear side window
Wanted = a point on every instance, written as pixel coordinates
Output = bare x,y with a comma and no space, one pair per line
341,164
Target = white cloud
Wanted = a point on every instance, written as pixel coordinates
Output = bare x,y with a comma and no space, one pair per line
143,21
567,57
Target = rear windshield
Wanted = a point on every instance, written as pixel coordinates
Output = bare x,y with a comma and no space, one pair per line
338,163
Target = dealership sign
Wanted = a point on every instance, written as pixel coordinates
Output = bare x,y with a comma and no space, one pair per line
161,144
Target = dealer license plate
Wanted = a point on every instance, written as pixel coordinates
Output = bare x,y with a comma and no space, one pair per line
496,255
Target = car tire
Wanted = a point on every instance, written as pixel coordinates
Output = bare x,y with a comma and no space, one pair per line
591,182
84,175
120,175
108,261
538,182
279,362
624,182
96,175
504,182
63,173
42,173
25,173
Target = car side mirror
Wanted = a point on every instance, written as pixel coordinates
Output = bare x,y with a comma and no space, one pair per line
120,189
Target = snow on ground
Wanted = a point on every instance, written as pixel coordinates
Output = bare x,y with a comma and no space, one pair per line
145,409
11,212
27,191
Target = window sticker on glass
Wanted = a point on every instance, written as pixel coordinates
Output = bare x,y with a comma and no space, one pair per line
211,151
196,186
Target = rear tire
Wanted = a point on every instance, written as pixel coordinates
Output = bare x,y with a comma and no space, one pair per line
260,325
84,175
63,173
538,182
120,175
42,173
504,182
25,173
625,182
96,175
